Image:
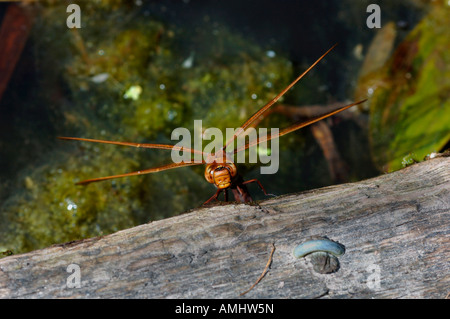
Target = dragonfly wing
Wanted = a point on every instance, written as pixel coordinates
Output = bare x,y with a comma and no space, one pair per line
297,126
141,172
273,101
138,145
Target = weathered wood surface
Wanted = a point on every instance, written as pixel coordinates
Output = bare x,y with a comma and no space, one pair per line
395,228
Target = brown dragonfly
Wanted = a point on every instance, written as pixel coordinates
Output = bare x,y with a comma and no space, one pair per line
220,168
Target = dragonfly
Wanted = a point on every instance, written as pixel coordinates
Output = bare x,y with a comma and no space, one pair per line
220,169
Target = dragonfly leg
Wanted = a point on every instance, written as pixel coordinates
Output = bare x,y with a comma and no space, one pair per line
258,182
213,197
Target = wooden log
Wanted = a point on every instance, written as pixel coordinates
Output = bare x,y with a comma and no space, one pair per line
395,229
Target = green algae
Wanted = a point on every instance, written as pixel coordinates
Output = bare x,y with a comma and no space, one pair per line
409,107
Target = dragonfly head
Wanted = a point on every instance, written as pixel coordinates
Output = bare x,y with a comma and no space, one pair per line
220,174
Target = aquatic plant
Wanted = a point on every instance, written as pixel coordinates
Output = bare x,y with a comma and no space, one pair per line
409,95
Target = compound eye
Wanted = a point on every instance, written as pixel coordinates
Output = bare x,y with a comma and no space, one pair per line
209,173
231,168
